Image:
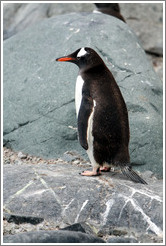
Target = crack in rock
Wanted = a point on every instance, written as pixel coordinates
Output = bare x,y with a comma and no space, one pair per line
19,126
128,76
112,62
52,110
45,140
42,115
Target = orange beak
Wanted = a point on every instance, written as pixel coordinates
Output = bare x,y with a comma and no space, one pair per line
65,58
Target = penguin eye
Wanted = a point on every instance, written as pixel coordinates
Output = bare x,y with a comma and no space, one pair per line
82,58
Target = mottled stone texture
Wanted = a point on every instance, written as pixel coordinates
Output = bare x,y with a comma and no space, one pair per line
105,205
52,237
146,19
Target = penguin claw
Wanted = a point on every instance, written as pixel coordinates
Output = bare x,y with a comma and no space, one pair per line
105,169
90,173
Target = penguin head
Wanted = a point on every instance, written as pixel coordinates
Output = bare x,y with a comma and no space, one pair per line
84,58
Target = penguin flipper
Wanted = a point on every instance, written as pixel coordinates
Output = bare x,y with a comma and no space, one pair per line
83,117
127,170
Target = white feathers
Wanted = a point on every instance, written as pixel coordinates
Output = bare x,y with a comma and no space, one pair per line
78,93
90,138
96,11
78,99
82,52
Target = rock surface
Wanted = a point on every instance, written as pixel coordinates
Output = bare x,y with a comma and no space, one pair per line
108,205
140,17
52,237
146,19
39,111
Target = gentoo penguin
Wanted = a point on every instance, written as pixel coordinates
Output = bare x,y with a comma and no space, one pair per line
102,117
109,9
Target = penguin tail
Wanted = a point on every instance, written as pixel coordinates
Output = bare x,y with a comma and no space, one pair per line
127,171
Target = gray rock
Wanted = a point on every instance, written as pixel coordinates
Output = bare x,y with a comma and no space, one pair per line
145,19
39,111
157,63
108,204
17,17
70,156
81,227
140,18
10,11
121,240
25,15
22,156
66,8
52,237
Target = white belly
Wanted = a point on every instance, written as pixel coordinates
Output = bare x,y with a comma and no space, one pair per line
90,137
78,93
78,99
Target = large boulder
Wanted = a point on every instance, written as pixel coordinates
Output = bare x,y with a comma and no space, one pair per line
108,205
18,16
140,18
145,18
39,110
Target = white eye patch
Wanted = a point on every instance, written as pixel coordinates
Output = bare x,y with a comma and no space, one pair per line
82,52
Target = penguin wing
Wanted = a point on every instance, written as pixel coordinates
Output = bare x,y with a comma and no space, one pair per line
83,117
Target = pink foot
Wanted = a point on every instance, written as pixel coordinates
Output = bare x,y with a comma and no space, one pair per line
105,169
94,172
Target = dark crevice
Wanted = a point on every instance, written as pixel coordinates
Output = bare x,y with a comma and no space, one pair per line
18,219
135,108
157,91
52,110
132,18
111,61
139,146
7,143
153,53
20,125
126,77
23,124
43,115
46,140
154,107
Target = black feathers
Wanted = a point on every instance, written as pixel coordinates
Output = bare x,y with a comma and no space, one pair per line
131,174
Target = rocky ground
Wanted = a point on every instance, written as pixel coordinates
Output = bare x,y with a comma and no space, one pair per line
17,219
18,158
41,120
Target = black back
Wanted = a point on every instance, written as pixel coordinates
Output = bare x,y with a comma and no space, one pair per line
110,124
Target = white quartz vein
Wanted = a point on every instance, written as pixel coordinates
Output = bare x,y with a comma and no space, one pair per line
83,205
152,226
109,204
47,187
